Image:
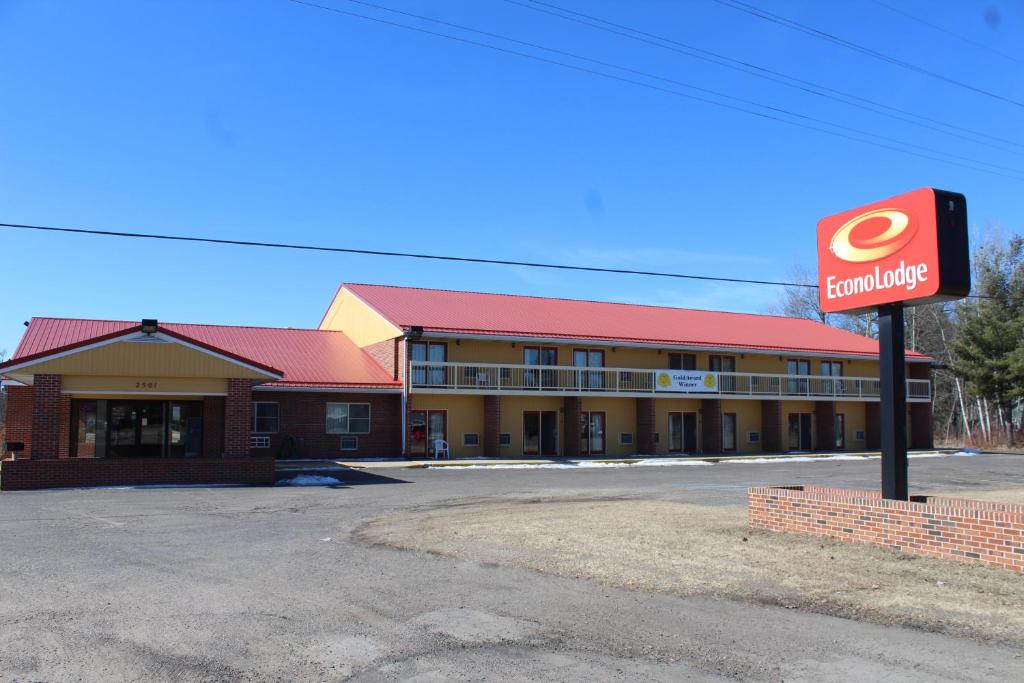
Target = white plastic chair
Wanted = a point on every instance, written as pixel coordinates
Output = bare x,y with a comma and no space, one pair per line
441,450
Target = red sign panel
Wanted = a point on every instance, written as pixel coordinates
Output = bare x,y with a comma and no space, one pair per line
910,248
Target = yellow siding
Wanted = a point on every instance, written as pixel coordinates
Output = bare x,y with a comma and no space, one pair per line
512,408
465,414
855,422
620,416
364,326
143,361
164,385
748,418
662,407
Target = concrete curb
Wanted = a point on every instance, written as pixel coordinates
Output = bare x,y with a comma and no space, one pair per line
425,464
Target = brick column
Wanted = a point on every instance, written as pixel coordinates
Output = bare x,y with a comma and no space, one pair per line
645,426
825,417
237,418
771,425
492,425
711,425
18,426
572,406
213,426
921,424
872,426
46,409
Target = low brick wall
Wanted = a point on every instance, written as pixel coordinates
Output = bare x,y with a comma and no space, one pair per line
951,528
23,475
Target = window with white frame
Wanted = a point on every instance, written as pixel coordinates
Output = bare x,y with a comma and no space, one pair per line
471,439
625,438
265,417
753,437
348,418
259,442
350,443
505,439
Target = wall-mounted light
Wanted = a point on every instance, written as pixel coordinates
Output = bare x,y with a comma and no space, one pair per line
413,333
149,325
458,342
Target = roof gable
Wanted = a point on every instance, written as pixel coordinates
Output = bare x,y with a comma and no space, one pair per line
300,357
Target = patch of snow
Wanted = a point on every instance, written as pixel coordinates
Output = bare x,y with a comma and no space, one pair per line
578,465
309,480
801,458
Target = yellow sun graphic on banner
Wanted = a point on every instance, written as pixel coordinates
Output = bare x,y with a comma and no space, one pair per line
709,381
663,379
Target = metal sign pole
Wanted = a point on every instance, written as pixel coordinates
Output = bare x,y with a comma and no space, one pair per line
893,396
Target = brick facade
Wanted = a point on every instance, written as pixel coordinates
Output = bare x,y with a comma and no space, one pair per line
646,426
213,426
46,414
237,417
386,353
22,475
872,426
492,426
303,425
573,407
825,425
711,425
953,528
18,422
771,425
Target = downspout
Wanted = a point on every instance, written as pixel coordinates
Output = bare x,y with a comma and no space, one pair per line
408,334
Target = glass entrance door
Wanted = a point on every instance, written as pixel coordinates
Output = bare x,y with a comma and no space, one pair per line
799,431
540,432
426,427
592,437
682,432
136,429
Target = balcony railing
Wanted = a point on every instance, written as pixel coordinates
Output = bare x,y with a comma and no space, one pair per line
481,378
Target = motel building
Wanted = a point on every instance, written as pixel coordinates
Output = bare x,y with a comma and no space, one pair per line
396,371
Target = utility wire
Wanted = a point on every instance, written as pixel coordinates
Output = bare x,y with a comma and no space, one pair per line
765,73
953,34
944,158
414,255
689,86
856,47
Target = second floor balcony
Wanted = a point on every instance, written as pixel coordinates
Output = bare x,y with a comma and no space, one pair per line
482,378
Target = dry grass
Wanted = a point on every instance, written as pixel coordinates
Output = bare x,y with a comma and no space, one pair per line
689,550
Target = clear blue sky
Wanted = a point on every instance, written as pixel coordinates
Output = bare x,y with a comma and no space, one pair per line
266,120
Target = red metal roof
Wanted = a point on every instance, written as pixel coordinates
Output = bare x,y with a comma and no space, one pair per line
306,357
507,315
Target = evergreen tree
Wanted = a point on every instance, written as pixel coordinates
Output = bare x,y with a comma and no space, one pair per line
989,350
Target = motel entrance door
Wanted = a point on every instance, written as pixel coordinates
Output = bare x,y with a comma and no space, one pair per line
592,433
136,428
800,431
682,432
540,432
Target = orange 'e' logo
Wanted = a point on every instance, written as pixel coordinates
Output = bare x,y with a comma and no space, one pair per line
888,242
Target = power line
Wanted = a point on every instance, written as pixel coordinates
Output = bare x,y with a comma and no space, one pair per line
690,86
856,47
765,73
941,29
413,255
944,158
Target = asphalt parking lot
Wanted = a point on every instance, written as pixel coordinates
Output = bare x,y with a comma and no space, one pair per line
270,584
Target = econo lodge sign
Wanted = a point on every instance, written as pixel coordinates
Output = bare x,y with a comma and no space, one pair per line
911,248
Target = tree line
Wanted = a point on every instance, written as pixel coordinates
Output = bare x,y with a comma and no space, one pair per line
977,344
